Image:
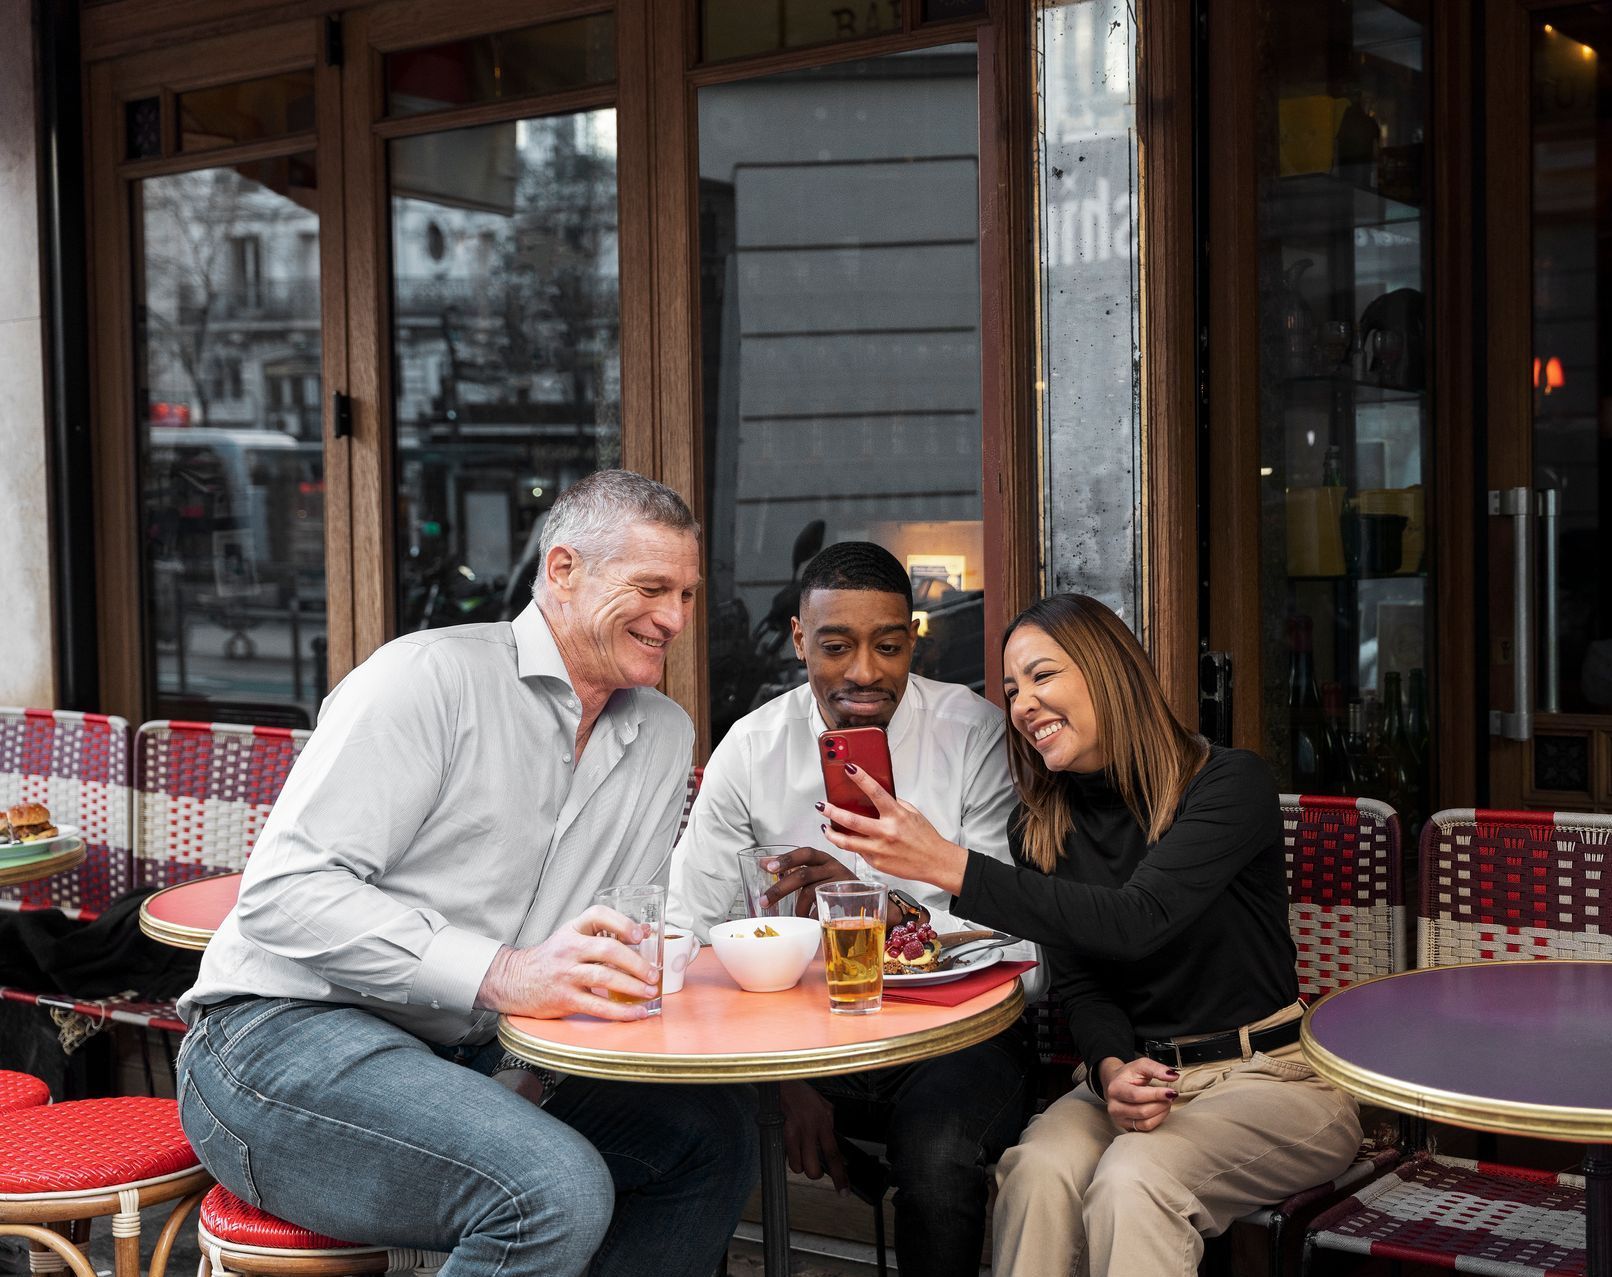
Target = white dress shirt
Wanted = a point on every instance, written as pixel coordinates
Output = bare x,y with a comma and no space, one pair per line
948,758
435,815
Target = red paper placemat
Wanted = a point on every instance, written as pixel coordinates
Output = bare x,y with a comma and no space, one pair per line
956,992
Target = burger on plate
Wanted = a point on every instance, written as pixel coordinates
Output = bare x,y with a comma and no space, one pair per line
30,822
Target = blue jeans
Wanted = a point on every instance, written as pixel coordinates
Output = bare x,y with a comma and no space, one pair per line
341,1122
943,1121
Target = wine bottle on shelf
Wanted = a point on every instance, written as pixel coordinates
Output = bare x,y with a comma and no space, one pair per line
1306,731
1405,771
1334,757
1416,717
1362,783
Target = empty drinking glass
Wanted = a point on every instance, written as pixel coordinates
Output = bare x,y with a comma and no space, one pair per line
756,879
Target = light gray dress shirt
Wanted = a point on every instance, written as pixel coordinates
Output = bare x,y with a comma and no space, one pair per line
948,758
437,814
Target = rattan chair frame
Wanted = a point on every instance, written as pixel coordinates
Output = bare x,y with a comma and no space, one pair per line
26,1214
222,1258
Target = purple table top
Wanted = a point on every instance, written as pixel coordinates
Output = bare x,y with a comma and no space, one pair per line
1478,1045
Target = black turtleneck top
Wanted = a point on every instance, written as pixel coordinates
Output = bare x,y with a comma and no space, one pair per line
1187,936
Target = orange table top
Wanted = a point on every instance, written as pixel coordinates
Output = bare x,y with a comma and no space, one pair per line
186,915
713,1031
54,858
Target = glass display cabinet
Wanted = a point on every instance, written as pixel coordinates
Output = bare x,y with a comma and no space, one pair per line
1344,412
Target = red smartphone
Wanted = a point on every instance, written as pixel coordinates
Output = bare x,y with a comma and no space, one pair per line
869,749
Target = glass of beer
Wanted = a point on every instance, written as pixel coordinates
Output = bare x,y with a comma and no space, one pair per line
641,904
852,914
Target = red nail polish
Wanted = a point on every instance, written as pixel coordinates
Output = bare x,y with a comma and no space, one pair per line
824,828
850,769
1170,1095
1173,1073
819,806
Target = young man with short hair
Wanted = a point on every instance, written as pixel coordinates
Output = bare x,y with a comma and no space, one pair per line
942,1120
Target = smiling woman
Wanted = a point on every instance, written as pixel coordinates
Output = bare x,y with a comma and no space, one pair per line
1150,870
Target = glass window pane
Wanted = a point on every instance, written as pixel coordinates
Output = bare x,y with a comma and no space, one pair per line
736,28
945,10
507,331
1572,442
142,128
1091,294
270,107
231,443
507,64
839,267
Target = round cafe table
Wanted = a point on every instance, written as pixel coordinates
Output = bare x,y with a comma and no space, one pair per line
713,1031
1520,1048
186,915
57,857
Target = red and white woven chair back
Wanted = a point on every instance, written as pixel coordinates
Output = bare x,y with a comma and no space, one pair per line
695,776
1346,906
1507,885
78,766
202,793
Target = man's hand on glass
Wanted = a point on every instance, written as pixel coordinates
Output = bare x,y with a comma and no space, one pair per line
802,871
559,977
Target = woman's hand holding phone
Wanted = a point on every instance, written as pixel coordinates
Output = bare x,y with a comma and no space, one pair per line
900,841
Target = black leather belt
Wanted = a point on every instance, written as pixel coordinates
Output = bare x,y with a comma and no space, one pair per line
209,1008
1222,1046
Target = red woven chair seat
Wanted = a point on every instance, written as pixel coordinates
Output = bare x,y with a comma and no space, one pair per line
1446,1212
226,1218
88,1145
21,1091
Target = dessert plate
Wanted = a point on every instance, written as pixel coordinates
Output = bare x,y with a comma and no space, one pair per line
962,966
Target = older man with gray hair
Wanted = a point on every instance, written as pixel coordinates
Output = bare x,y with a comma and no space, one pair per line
431,863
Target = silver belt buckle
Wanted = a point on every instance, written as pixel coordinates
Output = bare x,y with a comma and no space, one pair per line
1165,1048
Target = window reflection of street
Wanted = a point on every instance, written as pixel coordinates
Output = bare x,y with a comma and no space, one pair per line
232,507
840,312
506,328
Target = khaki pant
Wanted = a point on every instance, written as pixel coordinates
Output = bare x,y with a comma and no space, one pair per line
1078,1196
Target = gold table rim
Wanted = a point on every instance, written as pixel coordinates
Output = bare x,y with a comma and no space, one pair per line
69,857
767,1066
173,933
1475,1112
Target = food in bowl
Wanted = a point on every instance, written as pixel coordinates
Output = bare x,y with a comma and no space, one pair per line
771,967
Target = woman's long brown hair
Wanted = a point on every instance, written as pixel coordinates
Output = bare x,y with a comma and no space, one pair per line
1151,757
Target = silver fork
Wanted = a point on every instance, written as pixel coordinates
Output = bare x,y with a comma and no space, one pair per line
973,948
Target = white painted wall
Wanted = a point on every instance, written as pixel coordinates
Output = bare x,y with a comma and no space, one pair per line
27,659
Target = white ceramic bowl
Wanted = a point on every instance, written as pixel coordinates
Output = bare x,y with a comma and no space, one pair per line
766,964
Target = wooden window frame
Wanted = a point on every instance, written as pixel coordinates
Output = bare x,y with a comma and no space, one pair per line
130,50
163,72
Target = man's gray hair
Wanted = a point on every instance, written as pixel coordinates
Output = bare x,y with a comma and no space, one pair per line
594,515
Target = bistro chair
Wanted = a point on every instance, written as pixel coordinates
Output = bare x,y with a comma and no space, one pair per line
67,1164
21,1091
1496,886
78,766
1346,913
239,1238
202,792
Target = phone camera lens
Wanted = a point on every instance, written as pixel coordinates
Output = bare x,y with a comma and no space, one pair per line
832,754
